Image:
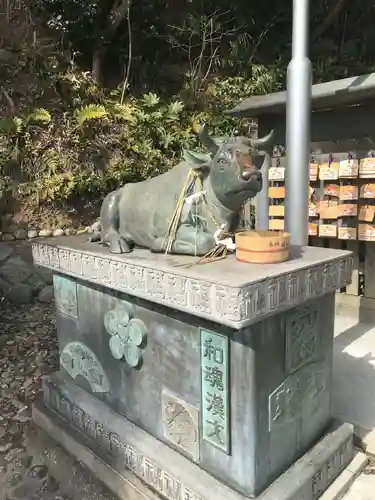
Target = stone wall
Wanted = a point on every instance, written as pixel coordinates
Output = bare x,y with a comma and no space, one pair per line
18,234
20,280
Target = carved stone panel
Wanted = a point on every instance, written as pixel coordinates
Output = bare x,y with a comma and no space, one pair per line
298,393
302,336
315,282
77,359
215,390
126,455
180,424
101,434
331,275
66,295
127,334
253,300
330,470
236,305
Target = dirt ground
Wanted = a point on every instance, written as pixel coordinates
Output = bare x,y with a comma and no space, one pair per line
32,466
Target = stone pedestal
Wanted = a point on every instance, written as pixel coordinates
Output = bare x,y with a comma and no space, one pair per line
207,381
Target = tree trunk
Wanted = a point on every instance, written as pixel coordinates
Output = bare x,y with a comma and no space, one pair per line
118,12
97,63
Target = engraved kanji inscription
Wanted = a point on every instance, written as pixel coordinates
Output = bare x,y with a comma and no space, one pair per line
301,330
215,431
215,406
214,376
235,306
126,456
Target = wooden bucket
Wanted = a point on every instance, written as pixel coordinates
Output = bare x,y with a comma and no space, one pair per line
262,247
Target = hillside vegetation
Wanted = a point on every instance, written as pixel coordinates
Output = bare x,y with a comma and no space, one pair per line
95,93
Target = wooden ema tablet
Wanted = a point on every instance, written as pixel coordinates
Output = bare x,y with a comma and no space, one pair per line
367,168
276,211
313,229
276,192
276,224
262,247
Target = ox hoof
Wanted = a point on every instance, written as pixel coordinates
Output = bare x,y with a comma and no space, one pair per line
119,246
94,238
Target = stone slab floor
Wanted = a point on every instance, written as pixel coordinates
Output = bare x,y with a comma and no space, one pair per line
354,387
32,467
354,374
363,488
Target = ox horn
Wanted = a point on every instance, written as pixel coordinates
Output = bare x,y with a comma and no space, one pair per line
262,141
207,141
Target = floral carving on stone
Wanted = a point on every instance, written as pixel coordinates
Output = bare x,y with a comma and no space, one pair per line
127,334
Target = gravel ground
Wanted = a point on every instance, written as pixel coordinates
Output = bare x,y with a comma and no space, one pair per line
32,466
28,350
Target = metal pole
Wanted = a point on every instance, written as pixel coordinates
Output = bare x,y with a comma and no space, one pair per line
262,200
298,115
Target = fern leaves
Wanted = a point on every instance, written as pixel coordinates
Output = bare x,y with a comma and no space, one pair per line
89,113
11,126
17,124
39,116
51,161
122,112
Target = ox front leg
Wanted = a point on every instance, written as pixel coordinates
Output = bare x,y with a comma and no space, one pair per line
189,241
116,243
109,220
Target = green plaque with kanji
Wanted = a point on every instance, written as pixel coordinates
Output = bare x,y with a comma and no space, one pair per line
215,406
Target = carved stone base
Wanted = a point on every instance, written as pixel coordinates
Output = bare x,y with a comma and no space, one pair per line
228,292
132,463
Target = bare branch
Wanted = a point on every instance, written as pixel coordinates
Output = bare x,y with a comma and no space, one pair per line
332,16
201,41
214,55
267,28
130,55
11,106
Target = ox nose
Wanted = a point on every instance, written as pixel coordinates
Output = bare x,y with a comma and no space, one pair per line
250,175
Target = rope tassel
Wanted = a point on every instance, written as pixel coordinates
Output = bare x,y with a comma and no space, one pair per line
221,249
217,253
220,252
176,217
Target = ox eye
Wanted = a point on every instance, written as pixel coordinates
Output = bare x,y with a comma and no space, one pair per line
221,164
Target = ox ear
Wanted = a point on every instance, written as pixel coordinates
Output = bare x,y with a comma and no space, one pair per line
202,170
199,162
207,141
196,158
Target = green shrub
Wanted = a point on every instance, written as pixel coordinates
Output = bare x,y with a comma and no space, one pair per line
91,143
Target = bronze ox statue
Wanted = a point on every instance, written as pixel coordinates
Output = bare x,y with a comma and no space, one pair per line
139,214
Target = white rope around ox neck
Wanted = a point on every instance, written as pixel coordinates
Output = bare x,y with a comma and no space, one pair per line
223,241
